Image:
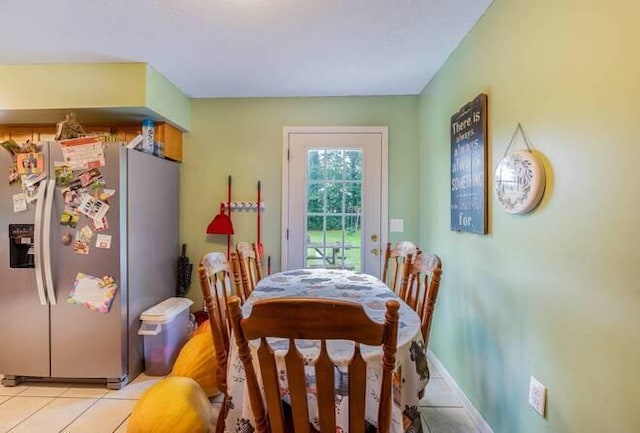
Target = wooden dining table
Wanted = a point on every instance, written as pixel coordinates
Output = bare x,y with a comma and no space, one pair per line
411,372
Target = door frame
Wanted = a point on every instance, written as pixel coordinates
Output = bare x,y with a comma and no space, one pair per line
383,131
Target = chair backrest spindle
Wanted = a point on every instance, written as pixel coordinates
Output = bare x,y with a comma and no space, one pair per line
250,266
395,258
237,277
420,286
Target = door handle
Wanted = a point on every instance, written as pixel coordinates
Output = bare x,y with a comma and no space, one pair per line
374,238
37,242
47,242
375,251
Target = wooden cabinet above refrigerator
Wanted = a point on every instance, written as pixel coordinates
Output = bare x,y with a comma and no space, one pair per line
164,132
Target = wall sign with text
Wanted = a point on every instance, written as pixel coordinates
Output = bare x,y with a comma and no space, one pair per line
469,167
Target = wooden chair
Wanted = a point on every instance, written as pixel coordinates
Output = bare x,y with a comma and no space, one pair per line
250,267
237,277
419,289
394,259
313,319
213,271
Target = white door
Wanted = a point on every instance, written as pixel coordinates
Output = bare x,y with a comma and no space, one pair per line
334,197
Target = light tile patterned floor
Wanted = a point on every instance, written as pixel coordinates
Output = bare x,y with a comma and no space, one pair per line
52,408
441,411
69,408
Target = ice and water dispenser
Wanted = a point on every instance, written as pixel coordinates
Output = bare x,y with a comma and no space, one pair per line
21,246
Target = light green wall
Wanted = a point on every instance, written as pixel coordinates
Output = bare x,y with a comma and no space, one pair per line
243,137
164,98
33,87
108,91
554,294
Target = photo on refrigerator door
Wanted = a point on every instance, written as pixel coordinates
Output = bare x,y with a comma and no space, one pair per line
84,234
69,218
30,163
63,173
71,198
90,177
80,247
14,176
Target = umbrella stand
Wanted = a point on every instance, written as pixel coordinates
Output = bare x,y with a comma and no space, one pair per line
184,273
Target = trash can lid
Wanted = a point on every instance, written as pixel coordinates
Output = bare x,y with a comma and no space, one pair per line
166,310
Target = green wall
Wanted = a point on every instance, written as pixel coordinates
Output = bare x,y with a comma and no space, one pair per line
554,294
243,137
45,86
164,98
110,92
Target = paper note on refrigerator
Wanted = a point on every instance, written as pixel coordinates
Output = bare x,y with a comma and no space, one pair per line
19,202
83,153
93,208
103,241
92,292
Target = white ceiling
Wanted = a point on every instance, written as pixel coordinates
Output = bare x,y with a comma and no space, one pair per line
240,48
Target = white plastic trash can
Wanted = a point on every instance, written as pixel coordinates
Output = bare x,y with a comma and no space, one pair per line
165,328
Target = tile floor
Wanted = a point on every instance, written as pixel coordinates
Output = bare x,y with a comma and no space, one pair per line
441,411
57,408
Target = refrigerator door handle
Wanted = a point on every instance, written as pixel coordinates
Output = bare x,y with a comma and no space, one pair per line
51,294
37,242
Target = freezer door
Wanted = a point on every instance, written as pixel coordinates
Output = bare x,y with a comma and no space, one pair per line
86,343
24,321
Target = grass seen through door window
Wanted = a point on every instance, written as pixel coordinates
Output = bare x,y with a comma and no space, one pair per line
333,237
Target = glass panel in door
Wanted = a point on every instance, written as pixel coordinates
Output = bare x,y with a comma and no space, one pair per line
333,203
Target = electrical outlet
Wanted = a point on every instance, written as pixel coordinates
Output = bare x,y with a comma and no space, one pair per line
537,396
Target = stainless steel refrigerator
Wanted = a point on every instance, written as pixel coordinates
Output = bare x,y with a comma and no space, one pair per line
44,337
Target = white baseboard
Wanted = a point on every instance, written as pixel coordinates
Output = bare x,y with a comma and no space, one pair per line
476,417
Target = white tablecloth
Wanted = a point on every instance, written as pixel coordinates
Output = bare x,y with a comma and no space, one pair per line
411,373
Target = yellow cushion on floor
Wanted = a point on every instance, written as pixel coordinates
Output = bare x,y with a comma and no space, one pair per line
204,327
197,360
173,405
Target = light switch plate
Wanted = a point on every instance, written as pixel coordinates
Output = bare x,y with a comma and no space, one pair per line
396,225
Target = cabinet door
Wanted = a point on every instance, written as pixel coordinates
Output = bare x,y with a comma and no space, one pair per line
128,133
97,129
44,133
172,139
19,134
